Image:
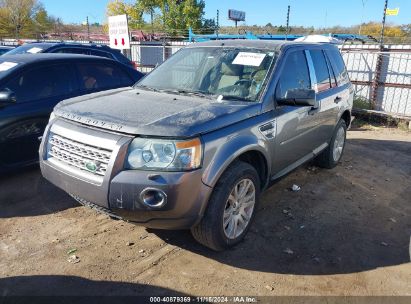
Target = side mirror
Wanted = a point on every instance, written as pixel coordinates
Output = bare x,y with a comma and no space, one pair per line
299,97
7,97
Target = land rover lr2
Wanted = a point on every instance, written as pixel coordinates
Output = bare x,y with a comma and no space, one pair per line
193,144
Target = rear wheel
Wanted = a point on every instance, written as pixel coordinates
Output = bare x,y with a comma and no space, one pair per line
330,157
231,208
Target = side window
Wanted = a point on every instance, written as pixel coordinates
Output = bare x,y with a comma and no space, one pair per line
295,74
79,51
339,66
101,54
321,70
96,76
41,83
123,78
332,72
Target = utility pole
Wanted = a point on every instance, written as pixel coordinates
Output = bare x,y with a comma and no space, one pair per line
383,24
288,23
88,29
379,64
218,23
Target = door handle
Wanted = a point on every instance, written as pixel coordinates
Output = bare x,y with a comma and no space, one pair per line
337,99
312,111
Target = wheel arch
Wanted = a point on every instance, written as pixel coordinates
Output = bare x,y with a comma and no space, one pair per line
346,116
243,149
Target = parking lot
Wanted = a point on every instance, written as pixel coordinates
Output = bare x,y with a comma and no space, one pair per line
346,232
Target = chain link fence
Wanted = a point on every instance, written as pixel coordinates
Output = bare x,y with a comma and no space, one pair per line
381,76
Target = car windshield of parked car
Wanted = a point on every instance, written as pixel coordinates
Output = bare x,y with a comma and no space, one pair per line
26,49
232,73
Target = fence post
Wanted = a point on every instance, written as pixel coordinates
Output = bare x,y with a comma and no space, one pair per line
377,78
164,50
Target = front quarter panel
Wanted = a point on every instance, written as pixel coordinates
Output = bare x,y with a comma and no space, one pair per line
223,146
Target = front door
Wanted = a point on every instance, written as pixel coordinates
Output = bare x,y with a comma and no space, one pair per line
37,91
296,125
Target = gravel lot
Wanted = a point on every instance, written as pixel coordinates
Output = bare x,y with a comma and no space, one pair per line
346,232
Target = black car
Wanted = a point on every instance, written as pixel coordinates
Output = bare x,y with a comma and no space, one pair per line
72,48
30,87
5,49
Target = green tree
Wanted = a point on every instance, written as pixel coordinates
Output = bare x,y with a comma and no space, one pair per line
120,7
17,16
148,7
42,23
209,26
179,15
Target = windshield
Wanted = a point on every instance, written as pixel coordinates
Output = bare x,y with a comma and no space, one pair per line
26,49
214,71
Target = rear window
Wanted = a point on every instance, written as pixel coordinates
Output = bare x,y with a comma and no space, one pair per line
338,66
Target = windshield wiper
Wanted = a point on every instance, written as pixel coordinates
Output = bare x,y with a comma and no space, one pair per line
186,92
147,88
222,97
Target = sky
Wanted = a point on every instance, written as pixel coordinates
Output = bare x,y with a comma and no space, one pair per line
317,13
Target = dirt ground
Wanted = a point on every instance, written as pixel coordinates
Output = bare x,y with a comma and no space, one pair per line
346,232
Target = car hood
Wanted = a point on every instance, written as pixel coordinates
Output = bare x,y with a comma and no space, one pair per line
141,112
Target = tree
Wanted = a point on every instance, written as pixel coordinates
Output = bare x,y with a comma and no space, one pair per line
209,26
148,7
120,7
179,15
17,16
42,23
174,16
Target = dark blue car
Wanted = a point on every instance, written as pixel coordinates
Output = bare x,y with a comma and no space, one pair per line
72,48
30,87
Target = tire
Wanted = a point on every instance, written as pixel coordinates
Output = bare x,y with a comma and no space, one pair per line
224,211
329,158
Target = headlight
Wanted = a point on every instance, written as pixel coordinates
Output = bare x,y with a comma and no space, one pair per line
162,154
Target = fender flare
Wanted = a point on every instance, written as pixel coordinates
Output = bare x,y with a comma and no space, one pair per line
228,153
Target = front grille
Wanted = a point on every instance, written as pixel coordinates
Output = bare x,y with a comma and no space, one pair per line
79,155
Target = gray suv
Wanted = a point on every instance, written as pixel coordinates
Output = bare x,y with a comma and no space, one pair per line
193,144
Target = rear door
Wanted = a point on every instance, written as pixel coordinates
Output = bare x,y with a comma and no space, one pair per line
344,88
38,90
327,95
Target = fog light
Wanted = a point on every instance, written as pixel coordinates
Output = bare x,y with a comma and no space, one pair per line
153,198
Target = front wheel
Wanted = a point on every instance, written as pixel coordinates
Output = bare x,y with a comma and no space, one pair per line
231,208
330,157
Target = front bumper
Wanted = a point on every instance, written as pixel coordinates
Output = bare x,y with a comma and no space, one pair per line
119,193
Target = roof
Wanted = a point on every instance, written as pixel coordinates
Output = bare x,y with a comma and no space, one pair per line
51,44
248,43
31,58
